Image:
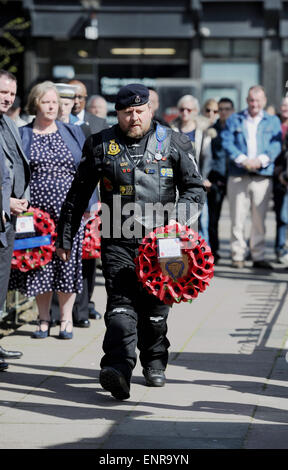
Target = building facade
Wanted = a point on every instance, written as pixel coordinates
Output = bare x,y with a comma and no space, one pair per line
209,48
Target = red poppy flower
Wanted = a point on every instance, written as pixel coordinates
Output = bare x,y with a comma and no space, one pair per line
92,239
32,258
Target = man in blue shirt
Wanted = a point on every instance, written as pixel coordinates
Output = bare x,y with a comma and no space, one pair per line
252,139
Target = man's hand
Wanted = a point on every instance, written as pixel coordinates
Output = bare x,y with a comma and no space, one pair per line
252,164
207,184
63,254
17,206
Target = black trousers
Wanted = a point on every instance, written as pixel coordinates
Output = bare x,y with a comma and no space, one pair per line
133,317
5,263
83,300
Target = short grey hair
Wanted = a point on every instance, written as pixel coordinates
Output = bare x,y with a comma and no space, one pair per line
191,99
94,97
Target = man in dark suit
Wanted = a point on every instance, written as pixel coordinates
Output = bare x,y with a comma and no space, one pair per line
15,192
90,124
84,307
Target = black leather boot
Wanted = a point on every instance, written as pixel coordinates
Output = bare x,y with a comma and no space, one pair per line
154,377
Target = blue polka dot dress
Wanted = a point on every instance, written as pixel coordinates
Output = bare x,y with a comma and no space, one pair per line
52,171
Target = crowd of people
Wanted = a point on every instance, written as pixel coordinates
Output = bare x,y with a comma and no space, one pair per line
53,158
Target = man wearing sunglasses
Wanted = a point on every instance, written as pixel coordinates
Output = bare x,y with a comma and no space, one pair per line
90,124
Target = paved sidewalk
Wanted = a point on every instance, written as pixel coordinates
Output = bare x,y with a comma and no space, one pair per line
226,379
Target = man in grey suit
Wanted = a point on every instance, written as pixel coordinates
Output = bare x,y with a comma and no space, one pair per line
5,191
16,191
5,215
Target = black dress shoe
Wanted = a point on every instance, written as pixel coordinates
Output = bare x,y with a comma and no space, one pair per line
3,365
114,381
94,315
82,323
9,354
262,264
154,377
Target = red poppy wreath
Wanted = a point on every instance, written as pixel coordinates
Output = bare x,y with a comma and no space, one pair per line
175,281
36,251
91,247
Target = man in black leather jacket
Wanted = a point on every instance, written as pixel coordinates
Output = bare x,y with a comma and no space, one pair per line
139,163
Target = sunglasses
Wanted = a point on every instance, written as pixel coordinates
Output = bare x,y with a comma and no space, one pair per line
208,110
185,109
225,109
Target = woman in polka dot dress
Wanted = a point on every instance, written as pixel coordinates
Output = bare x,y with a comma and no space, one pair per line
54,150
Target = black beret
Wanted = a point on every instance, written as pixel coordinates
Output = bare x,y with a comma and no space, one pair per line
134,94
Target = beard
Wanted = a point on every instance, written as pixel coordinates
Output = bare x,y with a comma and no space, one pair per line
137,132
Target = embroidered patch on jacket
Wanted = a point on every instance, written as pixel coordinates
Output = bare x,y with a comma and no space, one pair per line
166,172
126,190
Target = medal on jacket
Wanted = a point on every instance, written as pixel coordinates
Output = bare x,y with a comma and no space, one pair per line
161,133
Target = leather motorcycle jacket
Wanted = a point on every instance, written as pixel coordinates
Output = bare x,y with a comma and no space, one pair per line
143,183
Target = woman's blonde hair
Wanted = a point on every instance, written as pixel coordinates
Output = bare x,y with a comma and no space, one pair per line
36,94
208,102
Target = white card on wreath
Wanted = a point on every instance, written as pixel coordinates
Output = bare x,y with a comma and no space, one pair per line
25,224
169,248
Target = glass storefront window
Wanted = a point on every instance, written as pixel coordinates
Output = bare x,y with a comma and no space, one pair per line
216,47
230,47
245,48
243,74
68,50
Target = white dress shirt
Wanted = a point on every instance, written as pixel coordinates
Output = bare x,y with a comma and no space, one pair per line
80,117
